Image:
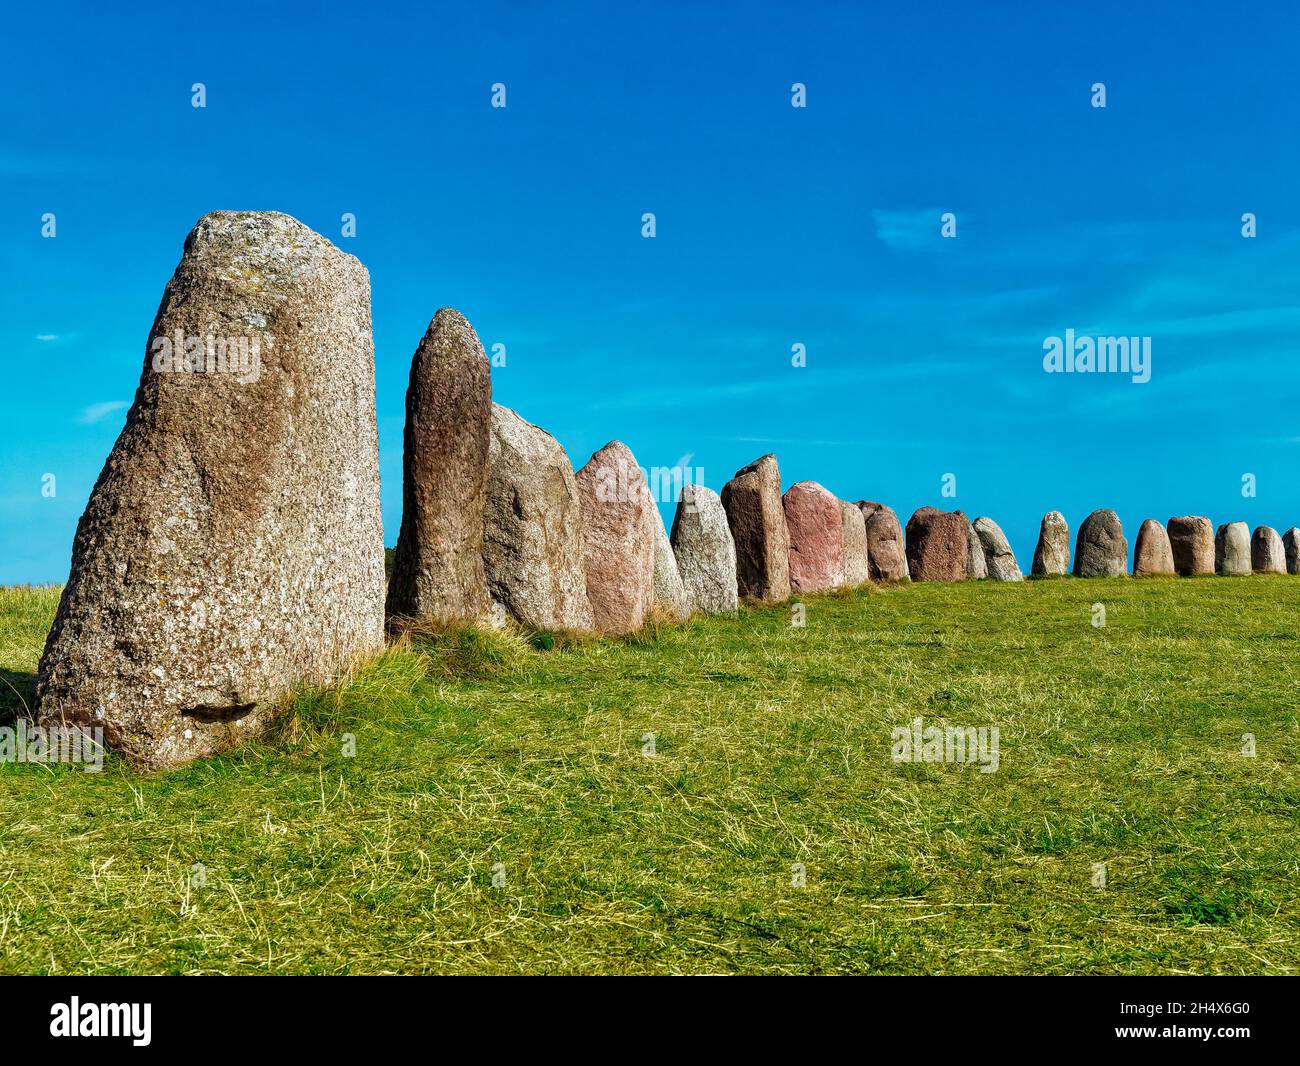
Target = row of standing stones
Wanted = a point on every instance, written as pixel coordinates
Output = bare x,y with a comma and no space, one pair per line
232,547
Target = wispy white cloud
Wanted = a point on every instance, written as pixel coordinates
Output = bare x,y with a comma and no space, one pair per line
908,231
97,412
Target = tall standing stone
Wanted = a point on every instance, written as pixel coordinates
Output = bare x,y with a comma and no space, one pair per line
816,528
1191,538
1101,549
886,554
1291,544
618,537
938,545
857,569
533,553
756,515
438,564
1152,555
977,568
999,559
1232,550
705,551
1052,554
232,546
669,595
1267,556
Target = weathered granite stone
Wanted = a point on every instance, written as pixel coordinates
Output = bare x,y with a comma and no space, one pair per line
857,570
533,553
1101,549
1232,550
706,554
618,537
886,555
1152,556
816,529
938,545
977,569
999,559
756,515
1191,539
1052,554
668,597
438,564
1267,556
232,546
1291,544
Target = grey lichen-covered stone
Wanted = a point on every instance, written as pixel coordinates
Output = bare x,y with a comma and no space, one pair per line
232,546
999,559
756,515
977,568
533,554
886,555
1291,545
1267,555
1101,549
618,538
438,564
857,570
1052,553
1153,555
1232,550
705,552
669,594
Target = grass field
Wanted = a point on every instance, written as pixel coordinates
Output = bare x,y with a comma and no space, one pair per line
1120,745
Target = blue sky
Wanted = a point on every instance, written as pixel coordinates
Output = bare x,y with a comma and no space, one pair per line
775,226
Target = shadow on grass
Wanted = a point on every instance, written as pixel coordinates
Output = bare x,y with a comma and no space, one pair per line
17,695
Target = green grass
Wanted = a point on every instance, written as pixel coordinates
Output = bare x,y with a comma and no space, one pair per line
1119,745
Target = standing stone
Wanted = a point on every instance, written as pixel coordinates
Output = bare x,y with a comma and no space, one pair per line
1153,556
706,554
533,554
618,538
1232,550
1191,538
1267,556
857,568
232,546
1101,550
816,528
938,545
1291,543
669,595
886,556
438,565
1052,554
999,559
977,569
756,515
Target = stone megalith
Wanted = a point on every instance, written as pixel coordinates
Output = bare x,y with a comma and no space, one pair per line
533,553
938,545
816,528
756,515
1232,549
438,564
977,568
1267,556
618,539
1101,549
1152,555
1191,538
857,567
1291,544
669,594
232,546
1052,553
705,552
999,559
886,555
